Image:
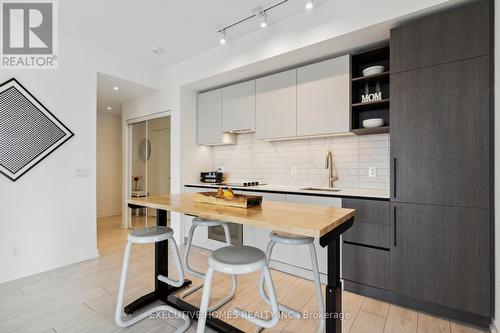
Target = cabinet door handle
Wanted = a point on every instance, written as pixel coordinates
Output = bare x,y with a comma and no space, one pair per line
394,177
395,219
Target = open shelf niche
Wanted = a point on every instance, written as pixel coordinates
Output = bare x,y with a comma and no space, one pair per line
375,109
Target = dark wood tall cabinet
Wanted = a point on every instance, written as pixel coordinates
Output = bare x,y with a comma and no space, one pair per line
440,140
442,163
440,254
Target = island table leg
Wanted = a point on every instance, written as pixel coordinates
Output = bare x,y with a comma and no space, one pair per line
162,290
334,289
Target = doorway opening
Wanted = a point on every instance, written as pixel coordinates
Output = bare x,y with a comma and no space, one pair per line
112,93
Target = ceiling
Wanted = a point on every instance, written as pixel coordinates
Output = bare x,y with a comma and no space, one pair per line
181,28
107,96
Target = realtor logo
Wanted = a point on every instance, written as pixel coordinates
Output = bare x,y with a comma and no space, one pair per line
29,34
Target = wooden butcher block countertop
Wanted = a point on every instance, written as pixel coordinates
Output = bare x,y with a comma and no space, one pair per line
300,219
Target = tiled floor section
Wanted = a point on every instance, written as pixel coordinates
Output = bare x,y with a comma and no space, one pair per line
81,298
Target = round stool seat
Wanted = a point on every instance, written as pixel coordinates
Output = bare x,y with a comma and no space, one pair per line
286,238
199,222
237,259
150,235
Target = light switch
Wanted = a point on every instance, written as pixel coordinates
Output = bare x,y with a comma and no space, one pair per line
372,172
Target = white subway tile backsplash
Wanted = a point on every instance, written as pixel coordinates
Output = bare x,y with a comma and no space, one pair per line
272,162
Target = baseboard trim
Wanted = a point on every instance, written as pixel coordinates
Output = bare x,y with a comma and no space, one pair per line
108,214
45,267
494,326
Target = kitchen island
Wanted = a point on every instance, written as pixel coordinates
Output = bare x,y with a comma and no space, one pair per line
326,223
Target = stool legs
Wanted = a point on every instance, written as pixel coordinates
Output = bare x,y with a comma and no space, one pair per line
178,264
262,323
317,284
283,308
205,298
202,276
121,295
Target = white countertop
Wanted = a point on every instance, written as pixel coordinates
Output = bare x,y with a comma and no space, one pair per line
342,192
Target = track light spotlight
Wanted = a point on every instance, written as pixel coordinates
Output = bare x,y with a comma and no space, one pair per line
222,39
309,4
263,19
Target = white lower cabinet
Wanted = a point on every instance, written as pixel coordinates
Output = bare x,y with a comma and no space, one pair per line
201,234
299,255
288,258
259,237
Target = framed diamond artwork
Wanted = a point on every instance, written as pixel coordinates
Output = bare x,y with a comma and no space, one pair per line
29,132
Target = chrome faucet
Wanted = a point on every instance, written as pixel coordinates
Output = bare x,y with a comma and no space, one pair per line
329,165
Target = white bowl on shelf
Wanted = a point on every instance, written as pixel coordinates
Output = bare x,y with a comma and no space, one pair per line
373,122
372,70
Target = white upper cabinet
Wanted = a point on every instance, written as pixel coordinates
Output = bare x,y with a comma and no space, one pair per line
238,107
276,106
323,97
307,101
210,120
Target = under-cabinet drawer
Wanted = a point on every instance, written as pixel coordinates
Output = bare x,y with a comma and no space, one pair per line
368,234
369,211
366,265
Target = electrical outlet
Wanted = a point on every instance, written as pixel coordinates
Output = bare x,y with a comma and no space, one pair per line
84,172
293,171
15,251
372,172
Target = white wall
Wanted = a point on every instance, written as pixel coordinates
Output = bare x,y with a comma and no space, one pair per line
109,164
48,213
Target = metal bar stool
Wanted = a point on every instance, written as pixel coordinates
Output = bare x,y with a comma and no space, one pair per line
290,239
236,260
199,222
144,236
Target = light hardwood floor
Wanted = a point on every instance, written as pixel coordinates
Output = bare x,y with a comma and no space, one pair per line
81,297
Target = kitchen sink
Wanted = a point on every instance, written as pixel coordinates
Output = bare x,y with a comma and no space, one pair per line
320,189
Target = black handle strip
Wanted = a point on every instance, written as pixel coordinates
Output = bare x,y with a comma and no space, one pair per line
394,177
395,226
